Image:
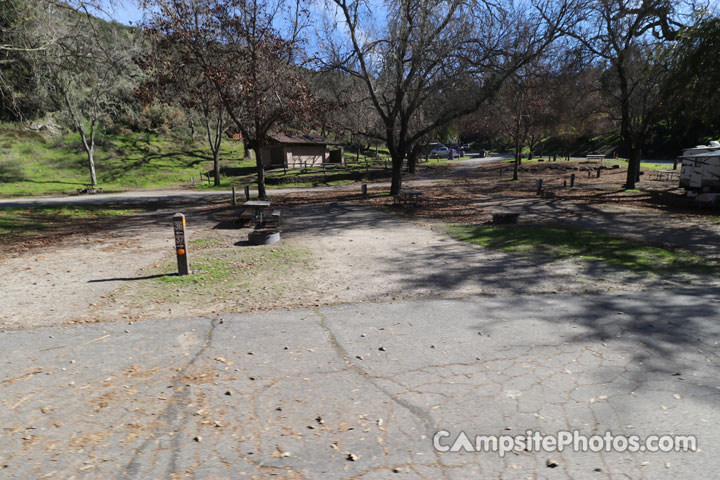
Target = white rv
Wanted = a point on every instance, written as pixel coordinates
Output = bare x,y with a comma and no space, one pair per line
701,168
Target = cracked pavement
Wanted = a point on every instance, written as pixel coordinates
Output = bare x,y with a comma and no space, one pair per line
358,390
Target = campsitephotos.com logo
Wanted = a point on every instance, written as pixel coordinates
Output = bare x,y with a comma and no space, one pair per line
535,441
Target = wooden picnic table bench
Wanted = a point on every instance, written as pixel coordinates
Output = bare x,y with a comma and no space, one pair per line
273,220
253,210
412,198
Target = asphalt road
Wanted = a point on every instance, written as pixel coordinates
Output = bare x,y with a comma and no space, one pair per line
359,391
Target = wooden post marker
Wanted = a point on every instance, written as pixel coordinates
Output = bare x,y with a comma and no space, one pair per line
572,180
234,197
539,186
363,189
180,246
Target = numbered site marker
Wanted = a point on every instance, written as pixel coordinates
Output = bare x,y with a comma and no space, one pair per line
180,246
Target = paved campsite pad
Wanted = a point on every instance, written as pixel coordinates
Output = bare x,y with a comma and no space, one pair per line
311,393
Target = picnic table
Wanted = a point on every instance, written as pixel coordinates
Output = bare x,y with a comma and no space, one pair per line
257,207
664,175
410,197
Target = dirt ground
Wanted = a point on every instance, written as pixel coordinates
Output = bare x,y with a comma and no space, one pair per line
341,248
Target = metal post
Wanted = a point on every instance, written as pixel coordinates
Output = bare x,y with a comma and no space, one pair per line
598,173
539,186
363,188
234,197
192,181
180,245
247,192
572,180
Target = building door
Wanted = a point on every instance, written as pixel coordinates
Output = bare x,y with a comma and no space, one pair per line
277,157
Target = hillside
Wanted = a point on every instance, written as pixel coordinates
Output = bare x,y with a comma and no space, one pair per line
32,163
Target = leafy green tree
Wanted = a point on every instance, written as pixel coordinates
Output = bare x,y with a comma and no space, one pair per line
691,92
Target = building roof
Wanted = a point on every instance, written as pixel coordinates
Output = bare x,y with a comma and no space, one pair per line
296,139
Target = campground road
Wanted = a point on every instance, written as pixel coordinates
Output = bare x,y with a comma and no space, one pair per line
169,196
359,390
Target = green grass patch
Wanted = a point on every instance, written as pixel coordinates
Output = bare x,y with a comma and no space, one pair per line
205,242
32,220
585,245
31,164
223,273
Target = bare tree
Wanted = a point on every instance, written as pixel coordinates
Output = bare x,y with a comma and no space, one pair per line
86,71
251,64
625,36
28,29
172,76
429,62
521,110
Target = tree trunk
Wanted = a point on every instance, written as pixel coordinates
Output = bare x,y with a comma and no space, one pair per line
397,162
262,195
216,167
517,143
89,144
91,163
214,138
633,171
246,151
412,158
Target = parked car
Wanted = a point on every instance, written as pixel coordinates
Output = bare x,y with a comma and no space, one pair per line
465,148
439,151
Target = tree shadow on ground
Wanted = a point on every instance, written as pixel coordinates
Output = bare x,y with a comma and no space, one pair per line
666,336
132,279
669,328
